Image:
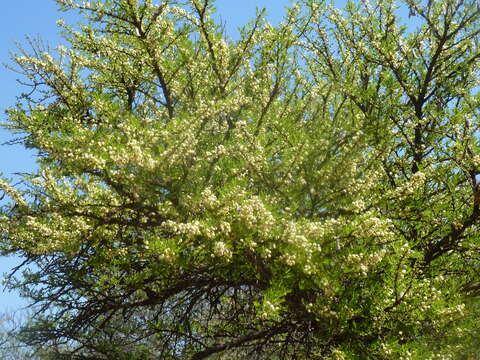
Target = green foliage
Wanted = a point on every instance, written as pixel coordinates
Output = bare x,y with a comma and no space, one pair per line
305,192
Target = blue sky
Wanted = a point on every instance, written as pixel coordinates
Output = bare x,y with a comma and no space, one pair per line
37,18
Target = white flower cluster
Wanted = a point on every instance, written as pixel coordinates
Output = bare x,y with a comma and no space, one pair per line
416,181
255,215
362,262
221,250
12,193
372,226
187,229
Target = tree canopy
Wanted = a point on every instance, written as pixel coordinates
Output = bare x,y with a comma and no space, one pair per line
308,191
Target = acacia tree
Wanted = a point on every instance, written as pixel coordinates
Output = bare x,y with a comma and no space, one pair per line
308,191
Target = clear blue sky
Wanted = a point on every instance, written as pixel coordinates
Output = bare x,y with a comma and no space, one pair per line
21,18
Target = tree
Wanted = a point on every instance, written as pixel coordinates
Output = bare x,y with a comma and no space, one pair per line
308,191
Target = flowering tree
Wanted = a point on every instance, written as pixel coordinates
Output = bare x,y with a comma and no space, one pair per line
308,191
